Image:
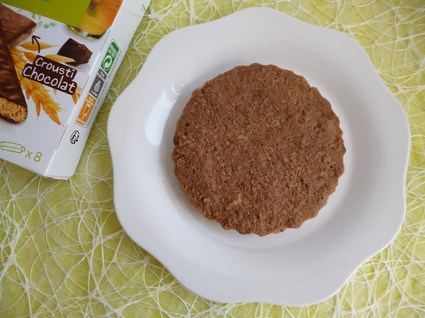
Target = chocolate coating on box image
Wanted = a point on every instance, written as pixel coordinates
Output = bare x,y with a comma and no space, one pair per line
75,50
258,150
16,27
13,106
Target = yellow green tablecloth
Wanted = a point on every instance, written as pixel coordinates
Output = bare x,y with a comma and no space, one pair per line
64,254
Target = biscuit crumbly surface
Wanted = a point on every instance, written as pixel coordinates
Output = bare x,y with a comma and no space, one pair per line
258,150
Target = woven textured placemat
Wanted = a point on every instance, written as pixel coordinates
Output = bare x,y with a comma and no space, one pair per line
64,254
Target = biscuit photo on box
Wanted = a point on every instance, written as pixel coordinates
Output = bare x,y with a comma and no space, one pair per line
75,50
13,106
14,28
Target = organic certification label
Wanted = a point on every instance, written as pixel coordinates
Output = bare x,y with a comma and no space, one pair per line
110,56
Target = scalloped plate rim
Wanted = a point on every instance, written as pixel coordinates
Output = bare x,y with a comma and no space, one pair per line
186,270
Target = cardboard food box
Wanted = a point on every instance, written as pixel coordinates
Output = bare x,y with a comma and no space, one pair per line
57,61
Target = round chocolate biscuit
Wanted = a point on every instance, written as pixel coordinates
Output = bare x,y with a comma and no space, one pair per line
258,150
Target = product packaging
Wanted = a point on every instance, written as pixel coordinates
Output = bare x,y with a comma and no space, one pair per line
57,61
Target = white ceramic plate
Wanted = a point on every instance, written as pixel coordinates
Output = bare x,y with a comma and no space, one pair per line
296,267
